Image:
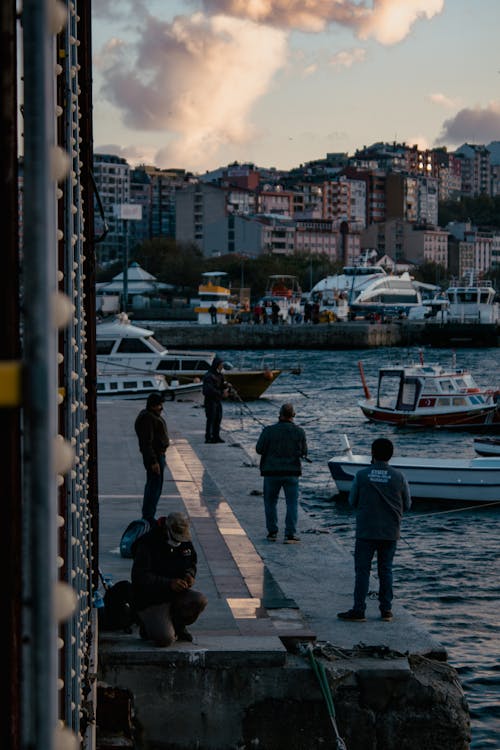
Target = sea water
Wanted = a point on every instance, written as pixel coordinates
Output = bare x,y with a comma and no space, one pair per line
447,564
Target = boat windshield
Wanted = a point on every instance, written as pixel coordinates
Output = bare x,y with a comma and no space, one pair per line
388,389
155,344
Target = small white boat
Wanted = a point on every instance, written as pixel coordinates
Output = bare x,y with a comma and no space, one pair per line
137,385
474,480
487,446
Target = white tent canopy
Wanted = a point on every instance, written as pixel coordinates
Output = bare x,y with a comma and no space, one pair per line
139,281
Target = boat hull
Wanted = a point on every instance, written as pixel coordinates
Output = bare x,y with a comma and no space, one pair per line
466,419
487,446
472,481
251,385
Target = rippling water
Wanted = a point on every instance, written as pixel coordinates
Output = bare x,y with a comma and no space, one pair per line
447,564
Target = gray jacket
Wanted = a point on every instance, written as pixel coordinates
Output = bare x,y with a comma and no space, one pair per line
380,495
281,446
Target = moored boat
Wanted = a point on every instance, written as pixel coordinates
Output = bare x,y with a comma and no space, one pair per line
126,348
137,385
474,480
215,299
429,395
487,446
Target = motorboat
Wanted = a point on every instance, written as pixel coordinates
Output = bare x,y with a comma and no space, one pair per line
215,299
471,480
126,348
429,395
471,301
487,446
137,385
367,290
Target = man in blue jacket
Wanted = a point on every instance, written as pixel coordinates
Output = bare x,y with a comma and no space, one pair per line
281,447
380,495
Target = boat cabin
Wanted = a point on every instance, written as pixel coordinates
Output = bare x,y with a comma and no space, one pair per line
426,386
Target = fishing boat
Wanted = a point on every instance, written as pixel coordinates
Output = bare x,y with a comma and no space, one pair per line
471,480
215,299
429,395
487,446
284,292
126,348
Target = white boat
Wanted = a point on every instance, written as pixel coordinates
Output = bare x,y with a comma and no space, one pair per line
137,385
470,301
487,446
215,299
429,395
126,348
474,480
365,290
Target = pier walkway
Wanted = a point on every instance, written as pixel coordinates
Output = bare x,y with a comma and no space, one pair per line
241,669
255,588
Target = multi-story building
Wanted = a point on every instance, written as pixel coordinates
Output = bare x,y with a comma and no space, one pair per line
112,178
476,169
140,193
197,207
401,197
402,240
279,202
344,199
317,237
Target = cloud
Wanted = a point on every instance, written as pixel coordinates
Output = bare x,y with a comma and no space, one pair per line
443,101
132,154
347,58
197,78
479,125
388,21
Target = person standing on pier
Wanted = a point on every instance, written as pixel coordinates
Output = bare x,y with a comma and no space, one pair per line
380,495
152,433
214,390
281,447
163,574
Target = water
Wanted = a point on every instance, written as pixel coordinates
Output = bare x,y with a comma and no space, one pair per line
446,568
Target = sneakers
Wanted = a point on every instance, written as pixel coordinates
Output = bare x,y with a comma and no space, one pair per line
184,635
386,615
272,536
352,616
291,539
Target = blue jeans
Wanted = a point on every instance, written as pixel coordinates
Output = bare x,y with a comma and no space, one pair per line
152,490
364,551
272,487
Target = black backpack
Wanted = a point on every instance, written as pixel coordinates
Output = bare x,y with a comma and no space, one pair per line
118,612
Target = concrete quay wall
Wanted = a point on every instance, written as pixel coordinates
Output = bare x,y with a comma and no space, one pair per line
349,335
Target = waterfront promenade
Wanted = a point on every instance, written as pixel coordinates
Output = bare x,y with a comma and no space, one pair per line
263,597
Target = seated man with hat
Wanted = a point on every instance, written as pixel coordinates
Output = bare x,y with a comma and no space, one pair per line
163,573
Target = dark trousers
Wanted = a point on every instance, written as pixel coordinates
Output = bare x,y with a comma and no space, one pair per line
213,411
152,490
364,551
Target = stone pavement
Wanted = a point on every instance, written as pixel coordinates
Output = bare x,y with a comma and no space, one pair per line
260,593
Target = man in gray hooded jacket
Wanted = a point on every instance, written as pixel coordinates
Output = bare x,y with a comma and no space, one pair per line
380,495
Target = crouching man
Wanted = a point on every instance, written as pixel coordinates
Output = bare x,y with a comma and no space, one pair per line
163,573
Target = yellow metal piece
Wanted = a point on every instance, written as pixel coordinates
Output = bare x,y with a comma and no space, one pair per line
10,384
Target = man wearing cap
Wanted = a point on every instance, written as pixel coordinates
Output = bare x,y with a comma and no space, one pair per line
163,573
151,430
281,447
214,390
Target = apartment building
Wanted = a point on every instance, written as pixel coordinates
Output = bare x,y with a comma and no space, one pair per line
402,240
344,199
112,178
476,169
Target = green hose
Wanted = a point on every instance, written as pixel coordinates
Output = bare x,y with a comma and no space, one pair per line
319,670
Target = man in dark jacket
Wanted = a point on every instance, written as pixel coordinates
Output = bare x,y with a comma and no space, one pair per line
214,390
163,573
151,430
380,495
281,446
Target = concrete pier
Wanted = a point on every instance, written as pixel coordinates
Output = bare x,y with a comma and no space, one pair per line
246,680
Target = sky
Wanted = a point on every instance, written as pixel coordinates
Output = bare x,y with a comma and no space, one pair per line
198,84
